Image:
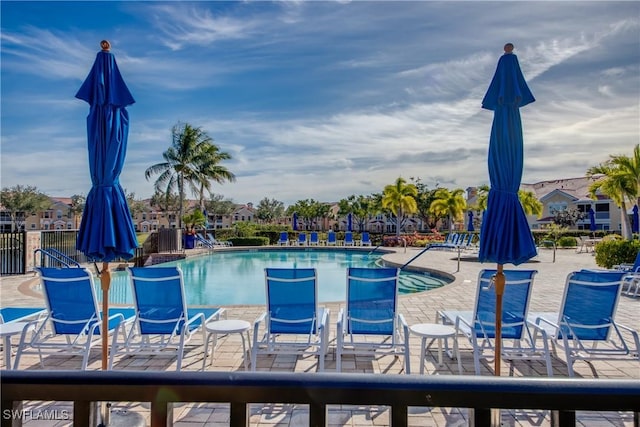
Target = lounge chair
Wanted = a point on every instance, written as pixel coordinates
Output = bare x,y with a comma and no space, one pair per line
293,322
585,325
313,239
331,238
20,314
370,323
217,242
163,322
284,238
365,240
203,241
478,326
302,239
348,239
73,313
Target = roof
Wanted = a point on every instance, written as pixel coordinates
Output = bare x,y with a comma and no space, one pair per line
577,188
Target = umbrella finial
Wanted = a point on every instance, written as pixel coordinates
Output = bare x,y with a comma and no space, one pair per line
508,48
105,45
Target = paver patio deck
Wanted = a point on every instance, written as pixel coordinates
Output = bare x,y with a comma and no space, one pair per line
417,308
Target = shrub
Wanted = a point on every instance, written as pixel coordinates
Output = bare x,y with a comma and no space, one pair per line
614,252
249,241
567,242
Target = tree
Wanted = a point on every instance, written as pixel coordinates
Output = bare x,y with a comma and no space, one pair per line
450,204
424,198
190,160
567,217
165,202
208,169
268,210
530,203
308,211
22,200
399,198
217,206
361,208
77,207
618,183
193,220
136,206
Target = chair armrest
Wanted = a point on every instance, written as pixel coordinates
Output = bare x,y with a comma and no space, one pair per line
256,327
634,334
462,326
325,318
340,323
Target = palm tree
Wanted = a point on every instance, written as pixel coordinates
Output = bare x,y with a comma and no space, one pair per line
190,160
530,203
399,198
208,169
617,185
630,167
449,203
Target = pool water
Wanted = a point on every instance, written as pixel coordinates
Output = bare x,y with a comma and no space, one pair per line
237,277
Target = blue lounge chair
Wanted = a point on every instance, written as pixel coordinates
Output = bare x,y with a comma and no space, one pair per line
302,239
348,239
478,326
73,313
313,239
331,238
585,325
365,240
20,314
284,238
370,322
163,323
293,322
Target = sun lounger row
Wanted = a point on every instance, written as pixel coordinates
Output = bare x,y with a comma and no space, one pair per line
584,326
294,323
313,239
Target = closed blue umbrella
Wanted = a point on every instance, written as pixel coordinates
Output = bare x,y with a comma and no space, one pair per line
470,226
106,232
295,221
349,222
505,236
592,220
635,227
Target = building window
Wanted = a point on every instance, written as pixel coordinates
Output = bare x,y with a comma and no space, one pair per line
602,211
557,207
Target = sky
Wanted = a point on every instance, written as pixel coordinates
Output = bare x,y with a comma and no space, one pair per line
315,99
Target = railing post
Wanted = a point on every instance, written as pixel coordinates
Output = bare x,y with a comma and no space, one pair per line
13,418
239,414
317,414
399,416
479,417
161,414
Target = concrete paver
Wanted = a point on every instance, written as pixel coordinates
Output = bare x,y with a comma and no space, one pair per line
417,308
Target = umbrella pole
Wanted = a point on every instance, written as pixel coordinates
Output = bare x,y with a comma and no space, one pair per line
105,282
499,284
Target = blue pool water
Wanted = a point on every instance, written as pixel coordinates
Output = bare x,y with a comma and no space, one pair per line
237,277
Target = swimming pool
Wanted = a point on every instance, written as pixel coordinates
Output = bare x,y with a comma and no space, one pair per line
237,277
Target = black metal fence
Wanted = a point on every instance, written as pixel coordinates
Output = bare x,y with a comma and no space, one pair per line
317,390
63,241
13,255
